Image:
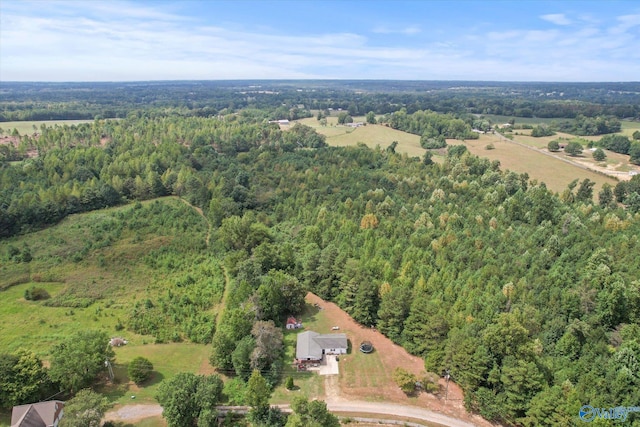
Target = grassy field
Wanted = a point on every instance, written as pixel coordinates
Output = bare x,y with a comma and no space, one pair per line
27,128
167,360
371,135
94,269
555,173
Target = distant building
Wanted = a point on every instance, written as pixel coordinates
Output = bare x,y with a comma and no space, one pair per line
312,346
41,414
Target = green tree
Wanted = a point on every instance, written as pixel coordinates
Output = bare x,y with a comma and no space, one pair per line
542,130
279,294
605,196
553,145
258,392
140,370
76,361
241,357
23,379
344,118
310,414
634,153
573,148
636,135
599,155
585,191
371,118
428,158
85,409
187,399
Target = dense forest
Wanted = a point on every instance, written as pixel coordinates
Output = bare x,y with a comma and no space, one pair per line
531,300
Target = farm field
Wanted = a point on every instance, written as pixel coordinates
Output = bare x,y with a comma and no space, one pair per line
27,127
371,135
555,173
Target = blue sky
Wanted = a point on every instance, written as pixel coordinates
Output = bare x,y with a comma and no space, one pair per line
101,40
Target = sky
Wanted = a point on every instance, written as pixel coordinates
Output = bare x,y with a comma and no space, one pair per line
114,40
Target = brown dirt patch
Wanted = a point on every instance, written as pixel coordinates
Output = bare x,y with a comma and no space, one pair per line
379,386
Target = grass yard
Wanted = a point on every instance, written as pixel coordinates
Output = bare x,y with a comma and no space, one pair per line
27,128
309,384
167,360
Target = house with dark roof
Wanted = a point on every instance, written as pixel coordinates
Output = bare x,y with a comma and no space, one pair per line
312,346
41,414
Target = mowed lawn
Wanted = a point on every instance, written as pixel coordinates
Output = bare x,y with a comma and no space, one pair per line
167,359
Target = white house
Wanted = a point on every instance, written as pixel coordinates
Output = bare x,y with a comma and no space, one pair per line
312,346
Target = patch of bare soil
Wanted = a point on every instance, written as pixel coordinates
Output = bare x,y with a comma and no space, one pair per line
392,357
133,413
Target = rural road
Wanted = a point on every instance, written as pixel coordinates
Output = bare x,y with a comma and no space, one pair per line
130,413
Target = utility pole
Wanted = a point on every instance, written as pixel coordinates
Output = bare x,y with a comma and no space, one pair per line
446,390
108,365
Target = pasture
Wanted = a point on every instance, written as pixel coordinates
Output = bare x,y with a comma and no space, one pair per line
555,173
371,135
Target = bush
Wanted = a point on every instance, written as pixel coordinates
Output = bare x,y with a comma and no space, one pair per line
553,145
405,380
289,383
36,294
140,370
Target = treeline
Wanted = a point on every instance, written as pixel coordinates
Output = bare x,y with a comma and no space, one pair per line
291,99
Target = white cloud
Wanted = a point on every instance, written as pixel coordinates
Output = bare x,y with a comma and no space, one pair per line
99,41
557,18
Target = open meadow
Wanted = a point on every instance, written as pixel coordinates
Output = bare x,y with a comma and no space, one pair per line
371,135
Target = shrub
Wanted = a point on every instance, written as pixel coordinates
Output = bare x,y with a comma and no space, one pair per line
140,369
553,145
289,383
405,380
36,294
